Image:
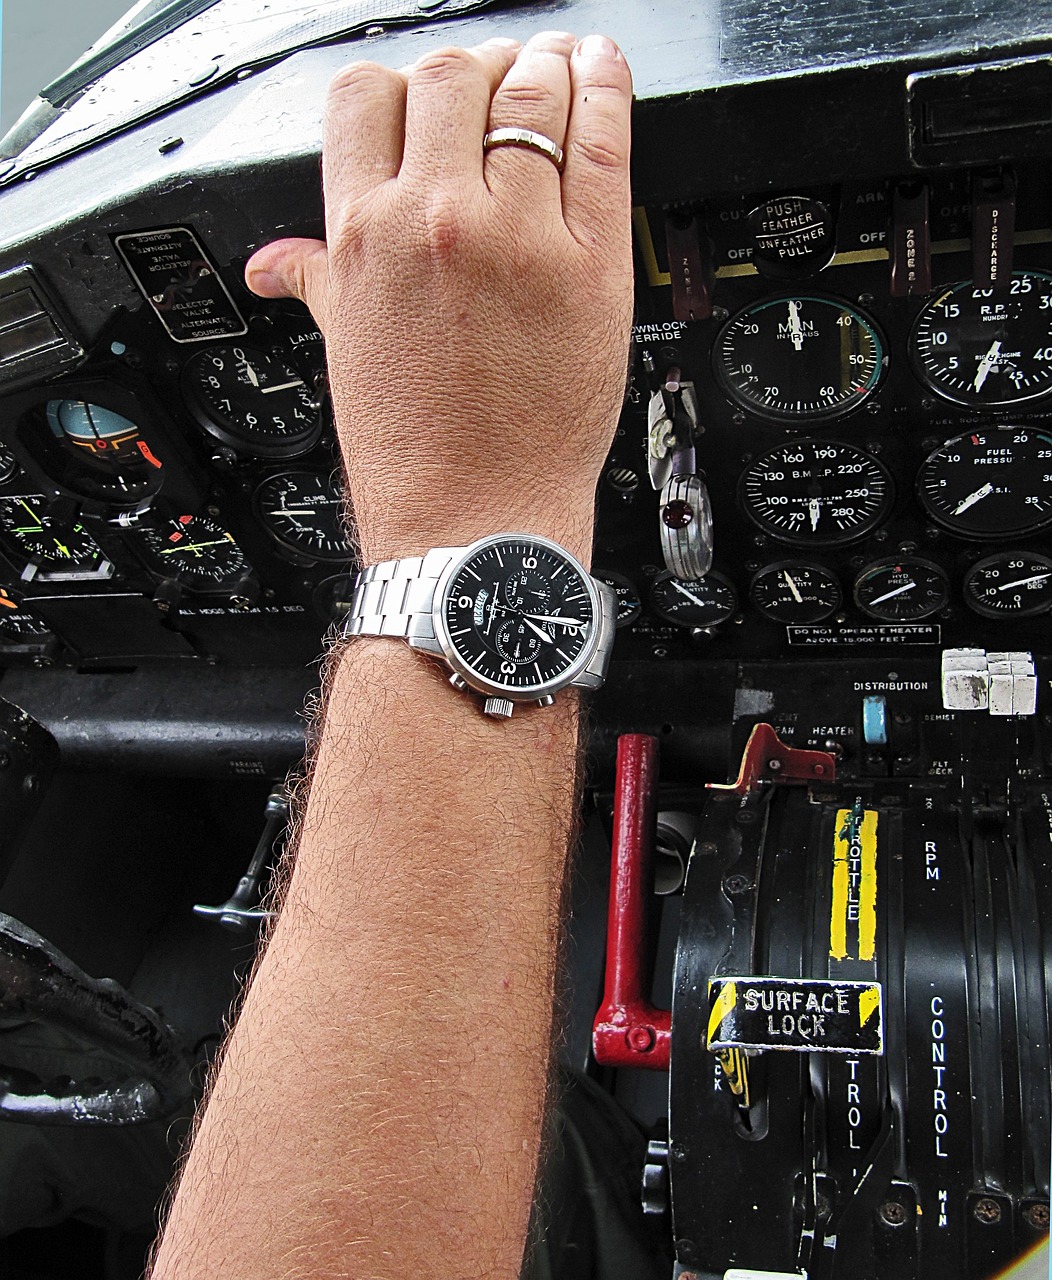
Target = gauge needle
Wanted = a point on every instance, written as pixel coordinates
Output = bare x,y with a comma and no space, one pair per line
1025,582
796,329
282,386
973,498
253,377
890,595
985,365
563,622
814,509
194,546
793,587
32,513
289,511
689,594
543,634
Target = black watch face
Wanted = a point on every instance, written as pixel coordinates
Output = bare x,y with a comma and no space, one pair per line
519,614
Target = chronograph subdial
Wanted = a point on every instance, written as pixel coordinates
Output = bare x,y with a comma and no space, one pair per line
816,492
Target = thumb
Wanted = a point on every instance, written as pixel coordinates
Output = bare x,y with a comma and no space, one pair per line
293,268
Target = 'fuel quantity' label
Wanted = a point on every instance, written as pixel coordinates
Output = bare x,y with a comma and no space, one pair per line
806,1015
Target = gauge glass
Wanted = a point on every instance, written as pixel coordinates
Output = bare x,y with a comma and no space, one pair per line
301,511
799,357
50,552
93,452
1011,584
987,347
629,605
193,551
699,602
252,400
16,623
796,593
818,492
901,590
991,482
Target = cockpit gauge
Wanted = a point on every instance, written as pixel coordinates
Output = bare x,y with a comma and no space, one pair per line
193,551
17,623
93,452
301,512
799,357
8,464
252,400
629,605
700,602
816,492
994,482
987,347
795,592
1011,584
46,550
902,590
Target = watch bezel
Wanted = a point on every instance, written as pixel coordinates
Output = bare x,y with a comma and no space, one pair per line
479,683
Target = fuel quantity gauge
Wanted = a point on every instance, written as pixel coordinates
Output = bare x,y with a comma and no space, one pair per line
699,602
1011,584
795,593
902,590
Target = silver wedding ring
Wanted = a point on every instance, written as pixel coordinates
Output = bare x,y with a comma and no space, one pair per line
525,138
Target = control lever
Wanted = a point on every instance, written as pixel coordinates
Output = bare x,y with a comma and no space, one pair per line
239,910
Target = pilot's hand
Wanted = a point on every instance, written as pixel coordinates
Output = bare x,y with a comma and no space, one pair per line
476,307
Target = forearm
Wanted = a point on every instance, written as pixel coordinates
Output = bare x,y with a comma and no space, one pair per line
389,1119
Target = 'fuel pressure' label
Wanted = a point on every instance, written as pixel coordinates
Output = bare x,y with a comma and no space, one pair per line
806,1015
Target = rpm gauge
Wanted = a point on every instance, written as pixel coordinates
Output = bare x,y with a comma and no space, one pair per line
1011,584
817,492
799,357
993,482
795,593
987,347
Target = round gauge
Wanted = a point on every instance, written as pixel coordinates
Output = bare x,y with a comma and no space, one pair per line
93,452
52,551
817,492
16,623
799,357
8,464
699,602
994,482
987,347
301,512
252,401
193,551
796,593
629,605
901,590
1011,584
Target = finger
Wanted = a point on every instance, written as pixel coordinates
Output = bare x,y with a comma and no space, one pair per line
293,268
595,188
535,94
363,132
447,106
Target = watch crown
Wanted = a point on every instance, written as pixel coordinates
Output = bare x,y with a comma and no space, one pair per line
458,681
498,707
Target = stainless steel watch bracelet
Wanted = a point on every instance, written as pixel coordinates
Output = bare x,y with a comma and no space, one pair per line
395,597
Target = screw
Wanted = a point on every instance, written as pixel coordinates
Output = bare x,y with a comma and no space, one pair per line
678,1151
736,884
745,816
1037,1216
892,1213
708,848
640,1039
987,1211
775,766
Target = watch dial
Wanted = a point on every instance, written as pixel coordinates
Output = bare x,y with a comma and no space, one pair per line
519,614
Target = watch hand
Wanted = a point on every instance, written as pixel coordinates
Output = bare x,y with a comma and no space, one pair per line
986,364
543,634
1025,582
890,595
793,587
796,329
282,386
689,594
973,498
554,617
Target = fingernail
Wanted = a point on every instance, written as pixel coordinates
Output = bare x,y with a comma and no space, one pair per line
501,42
597,47
265,283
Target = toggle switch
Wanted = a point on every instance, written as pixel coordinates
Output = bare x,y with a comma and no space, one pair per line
993,227
910,239
690,265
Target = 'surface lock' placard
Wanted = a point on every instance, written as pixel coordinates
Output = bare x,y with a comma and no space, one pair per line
806,1015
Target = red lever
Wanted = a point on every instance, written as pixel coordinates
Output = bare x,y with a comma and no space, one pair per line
629,1031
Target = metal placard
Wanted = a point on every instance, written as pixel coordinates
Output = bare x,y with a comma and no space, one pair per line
804,1015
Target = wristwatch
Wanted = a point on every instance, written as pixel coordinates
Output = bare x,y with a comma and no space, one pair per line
515,617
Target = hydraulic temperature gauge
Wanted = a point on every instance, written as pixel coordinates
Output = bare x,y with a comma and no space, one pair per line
1011,584
701,602
994,482
795,593
800,357
901,590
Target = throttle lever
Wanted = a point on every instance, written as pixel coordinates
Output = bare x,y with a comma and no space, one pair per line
239,910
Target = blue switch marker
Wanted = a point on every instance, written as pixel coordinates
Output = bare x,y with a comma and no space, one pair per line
875,720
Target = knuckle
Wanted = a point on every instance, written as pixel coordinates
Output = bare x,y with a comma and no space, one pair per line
357,80
537,98
443,65
443,225
601,148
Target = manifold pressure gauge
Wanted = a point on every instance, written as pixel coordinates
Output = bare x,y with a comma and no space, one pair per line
252,400
301,512
994,482
902,590
799,357
795,593
817,492
1011,584
701,602
987,347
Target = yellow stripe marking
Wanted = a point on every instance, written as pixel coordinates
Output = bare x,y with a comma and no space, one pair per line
868,1003
726,1001
865,897
646,247
838,916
